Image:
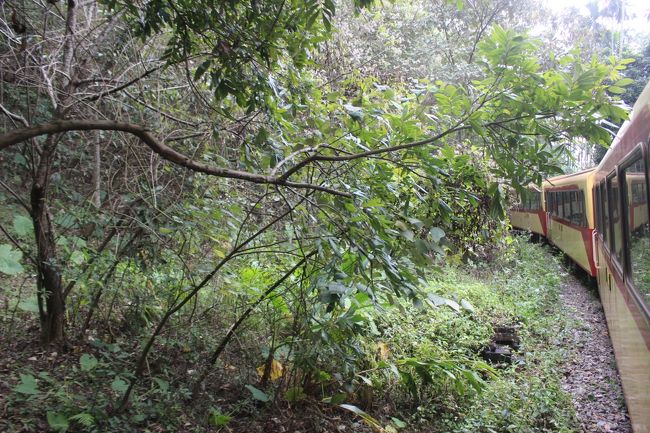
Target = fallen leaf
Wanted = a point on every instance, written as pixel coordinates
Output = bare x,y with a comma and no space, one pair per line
276,370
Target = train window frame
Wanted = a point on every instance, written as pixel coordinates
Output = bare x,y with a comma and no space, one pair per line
537,200
579,195
563,204
580,198
640,153
554,208
612,222
628,161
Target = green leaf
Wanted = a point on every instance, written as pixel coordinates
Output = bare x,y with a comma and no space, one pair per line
119,385
437,300
27,385
336,398
201,69
219,419
257,394
10,260
87,362
365,380
77,257
453,305
355,113
466,305
624,82
398,422
294,394
436,234
84,419
408,235
23,226
162,384
372,422
57,421
30,305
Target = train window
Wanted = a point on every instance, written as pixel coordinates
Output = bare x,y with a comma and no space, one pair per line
566,202
535,201
560,204
530,201
579,214
638,192
636,204
616,243
550,205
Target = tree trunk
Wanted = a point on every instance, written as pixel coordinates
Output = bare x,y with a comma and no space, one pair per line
50,287
97,198
50,284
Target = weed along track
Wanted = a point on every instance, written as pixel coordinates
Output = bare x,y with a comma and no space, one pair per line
590,374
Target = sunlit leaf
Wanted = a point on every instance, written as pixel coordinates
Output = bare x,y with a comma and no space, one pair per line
10,260
258,394
277,370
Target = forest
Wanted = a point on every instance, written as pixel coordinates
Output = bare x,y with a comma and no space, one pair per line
282,215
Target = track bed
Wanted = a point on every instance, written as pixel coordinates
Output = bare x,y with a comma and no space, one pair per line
590,374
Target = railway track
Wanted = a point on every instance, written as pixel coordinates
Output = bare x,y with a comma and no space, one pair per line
590,374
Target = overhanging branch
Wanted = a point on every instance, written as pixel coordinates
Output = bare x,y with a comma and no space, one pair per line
59,126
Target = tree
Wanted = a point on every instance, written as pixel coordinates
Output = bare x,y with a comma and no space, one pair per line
324,174
639,71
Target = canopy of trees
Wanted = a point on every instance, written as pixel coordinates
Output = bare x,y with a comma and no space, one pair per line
170,169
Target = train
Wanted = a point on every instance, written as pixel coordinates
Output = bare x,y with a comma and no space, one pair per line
599,218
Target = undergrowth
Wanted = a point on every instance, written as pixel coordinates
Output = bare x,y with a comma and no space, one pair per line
521,289
406,366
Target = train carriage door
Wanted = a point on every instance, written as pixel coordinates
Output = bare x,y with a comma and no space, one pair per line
598,229
616,242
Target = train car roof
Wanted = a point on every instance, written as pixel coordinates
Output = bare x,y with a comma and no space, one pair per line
567,178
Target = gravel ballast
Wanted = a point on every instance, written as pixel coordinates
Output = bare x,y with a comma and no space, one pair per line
590,374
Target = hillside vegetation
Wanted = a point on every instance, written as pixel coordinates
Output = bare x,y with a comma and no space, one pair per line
243,215
378,366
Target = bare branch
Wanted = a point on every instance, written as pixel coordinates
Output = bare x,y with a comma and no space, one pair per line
13,116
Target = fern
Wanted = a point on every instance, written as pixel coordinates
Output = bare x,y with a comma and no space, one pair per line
84,419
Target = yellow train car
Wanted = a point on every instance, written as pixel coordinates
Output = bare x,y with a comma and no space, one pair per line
600,218
622,256
529,214
570,217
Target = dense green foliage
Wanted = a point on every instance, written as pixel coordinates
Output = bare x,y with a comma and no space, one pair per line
426,357
194,192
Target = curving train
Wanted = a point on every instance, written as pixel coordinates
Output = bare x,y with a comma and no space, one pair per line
599,218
